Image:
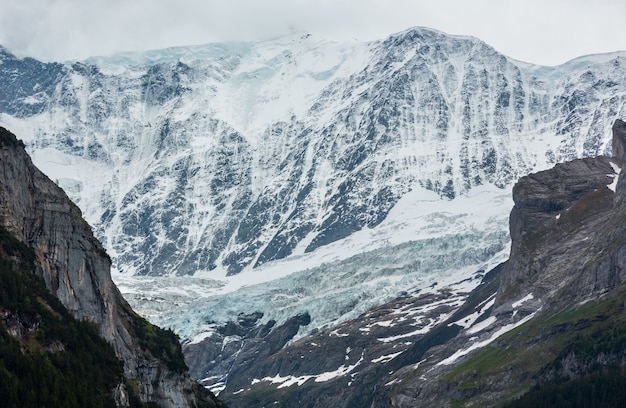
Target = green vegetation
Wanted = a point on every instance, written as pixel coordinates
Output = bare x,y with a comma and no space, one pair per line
9,139
601,387
55,360
536,351
163,344
601,333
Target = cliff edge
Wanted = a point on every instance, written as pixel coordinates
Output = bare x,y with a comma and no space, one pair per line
76,269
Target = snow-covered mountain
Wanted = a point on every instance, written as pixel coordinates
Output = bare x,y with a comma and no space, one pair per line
227,156
299,175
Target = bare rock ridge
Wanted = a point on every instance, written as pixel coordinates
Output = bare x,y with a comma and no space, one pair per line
76,269
550,207
563,221
619,141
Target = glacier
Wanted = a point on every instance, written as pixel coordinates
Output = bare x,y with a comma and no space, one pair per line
301,175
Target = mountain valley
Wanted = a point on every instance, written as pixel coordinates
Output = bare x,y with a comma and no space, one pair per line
327,224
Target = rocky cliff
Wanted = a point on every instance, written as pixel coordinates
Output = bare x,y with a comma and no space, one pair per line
75,268
352,167
566,229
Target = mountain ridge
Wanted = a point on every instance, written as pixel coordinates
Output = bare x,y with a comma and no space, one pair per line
310,163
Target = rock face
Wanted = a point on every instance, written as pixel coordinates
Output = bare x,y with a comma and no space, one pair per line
76,269
344,366
555,213
566,229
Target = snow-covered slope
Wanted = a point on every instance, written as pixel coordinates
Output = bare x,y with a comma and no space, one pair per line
347,170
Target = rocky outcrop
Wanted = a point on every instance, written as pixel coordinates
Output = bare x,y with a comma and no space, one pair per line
236,347
567,227
76,268
619,141
339,367
555,214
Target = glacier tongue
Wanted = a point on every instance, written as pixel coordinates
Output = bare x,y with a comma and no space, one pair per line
425,244
326,177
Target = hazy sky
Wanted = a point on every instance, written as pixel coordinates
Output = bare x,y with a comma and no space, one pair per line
547,32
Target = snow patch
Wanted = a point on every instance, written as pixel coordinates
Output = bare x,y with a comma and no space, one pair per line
337,334
432,323
217,387
522,301
615,176
482,325
480,344
469,320
290,380
388,357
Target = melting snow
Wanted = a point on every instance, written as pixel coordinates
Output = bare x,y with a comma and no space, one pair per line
423,330
336,333
522,300
217,387
468,321
483,343
482,325
388,357
615,176
290,380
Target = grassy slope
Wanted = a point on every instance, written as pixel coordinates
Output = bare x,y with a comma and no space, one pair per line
535,352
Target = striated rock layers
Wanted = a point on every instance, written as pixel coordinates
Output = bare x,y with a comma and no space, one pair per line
567,227
76,269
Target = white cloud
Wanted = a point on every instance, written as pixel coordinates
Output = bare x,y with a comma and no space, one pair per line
540,31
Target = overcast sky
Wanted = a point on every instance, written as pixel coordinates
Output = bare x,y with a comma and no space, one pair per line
547,32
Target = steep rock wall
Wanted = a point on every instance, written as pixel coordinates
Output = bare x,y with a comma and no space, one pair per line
76,269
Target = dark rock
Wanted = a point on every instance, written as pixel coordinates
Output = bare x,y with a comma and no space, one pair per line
619,141
554,211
